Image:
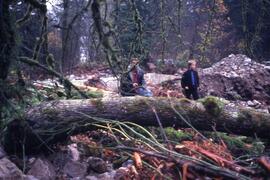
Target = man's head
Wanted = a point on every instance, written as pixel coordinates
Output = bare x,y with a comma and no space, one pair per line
133,63
192,64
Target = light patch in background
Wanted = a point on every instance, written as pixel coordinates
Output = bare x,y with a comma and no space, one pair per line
51,4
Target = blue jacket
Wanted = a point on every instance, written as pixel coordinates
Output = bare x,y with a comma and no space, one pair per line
190,79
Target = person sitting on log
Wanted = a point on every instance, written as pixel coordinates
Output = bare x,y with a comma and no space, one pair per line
190,81
135,84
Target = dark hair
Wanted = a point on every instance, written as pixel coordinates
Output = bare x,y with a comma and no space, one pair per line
134,59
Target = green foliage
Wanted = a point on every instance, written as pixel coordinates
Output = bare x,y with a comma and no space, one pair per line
94,94
57,93
177,135
171,133
89,93
213,105
233,143
14,99
240,145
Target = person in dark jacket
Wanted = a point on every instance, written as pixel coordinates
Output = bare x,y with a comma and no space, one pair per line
190,81
135,84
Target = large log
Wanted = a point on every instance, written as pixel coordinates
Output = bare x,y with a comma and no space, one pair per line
52,122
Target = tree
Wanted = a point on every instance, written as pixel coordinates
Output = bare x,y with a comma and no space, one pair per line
53,121
251,22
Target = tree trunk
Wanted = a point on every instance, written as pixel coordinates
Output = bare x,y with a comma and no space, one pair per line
65,36
7,41
7,47
53,121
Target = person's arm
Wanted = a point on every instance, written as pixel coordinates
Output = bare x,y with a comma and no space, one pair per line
198,78
184,81
142,81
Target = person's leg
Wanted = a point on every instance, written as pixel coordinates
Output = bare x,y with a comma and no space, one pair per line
195,94
148,93
144,92
187,93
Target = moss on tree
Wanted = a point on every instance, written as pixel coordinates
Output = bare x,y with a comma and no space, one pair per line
213,105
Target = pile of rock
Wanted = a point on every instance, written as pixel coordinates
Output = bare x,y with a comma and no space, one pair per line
60,165
237,77
235,66
8,170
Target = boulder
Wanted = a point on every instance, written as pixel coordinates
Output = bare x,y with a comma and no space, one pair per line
8,170
75,169
60,159
97,165
42,169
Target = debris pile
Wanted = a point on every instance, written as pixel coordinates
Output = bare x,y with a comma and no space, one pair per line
112,155
237,77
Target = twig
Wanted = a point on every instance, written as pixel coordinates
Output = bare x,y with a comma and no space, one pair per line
198,167
165,138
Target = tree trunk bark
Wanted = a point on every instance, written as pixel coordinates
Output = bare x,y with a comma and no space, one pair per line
7,41
53,121
7,55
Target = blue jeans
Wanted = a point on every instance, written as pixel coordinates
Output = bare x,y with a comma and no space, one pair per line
142,91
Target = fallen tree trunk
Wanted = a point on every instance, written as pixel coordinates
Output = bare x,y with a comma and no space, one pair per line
53,121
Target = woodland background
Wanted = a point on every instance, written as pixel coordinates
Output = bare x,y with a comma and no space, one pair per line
55,54
176,30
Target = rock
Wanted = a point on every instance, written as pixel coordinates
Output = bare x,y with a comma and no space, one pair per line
74,152
250,103
232,95
122,173
257,104
231,55
42,169
29,177
254,103
97,165
59,159
155,79
76,178
8,170
104,176
247,60
31,160
75,169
